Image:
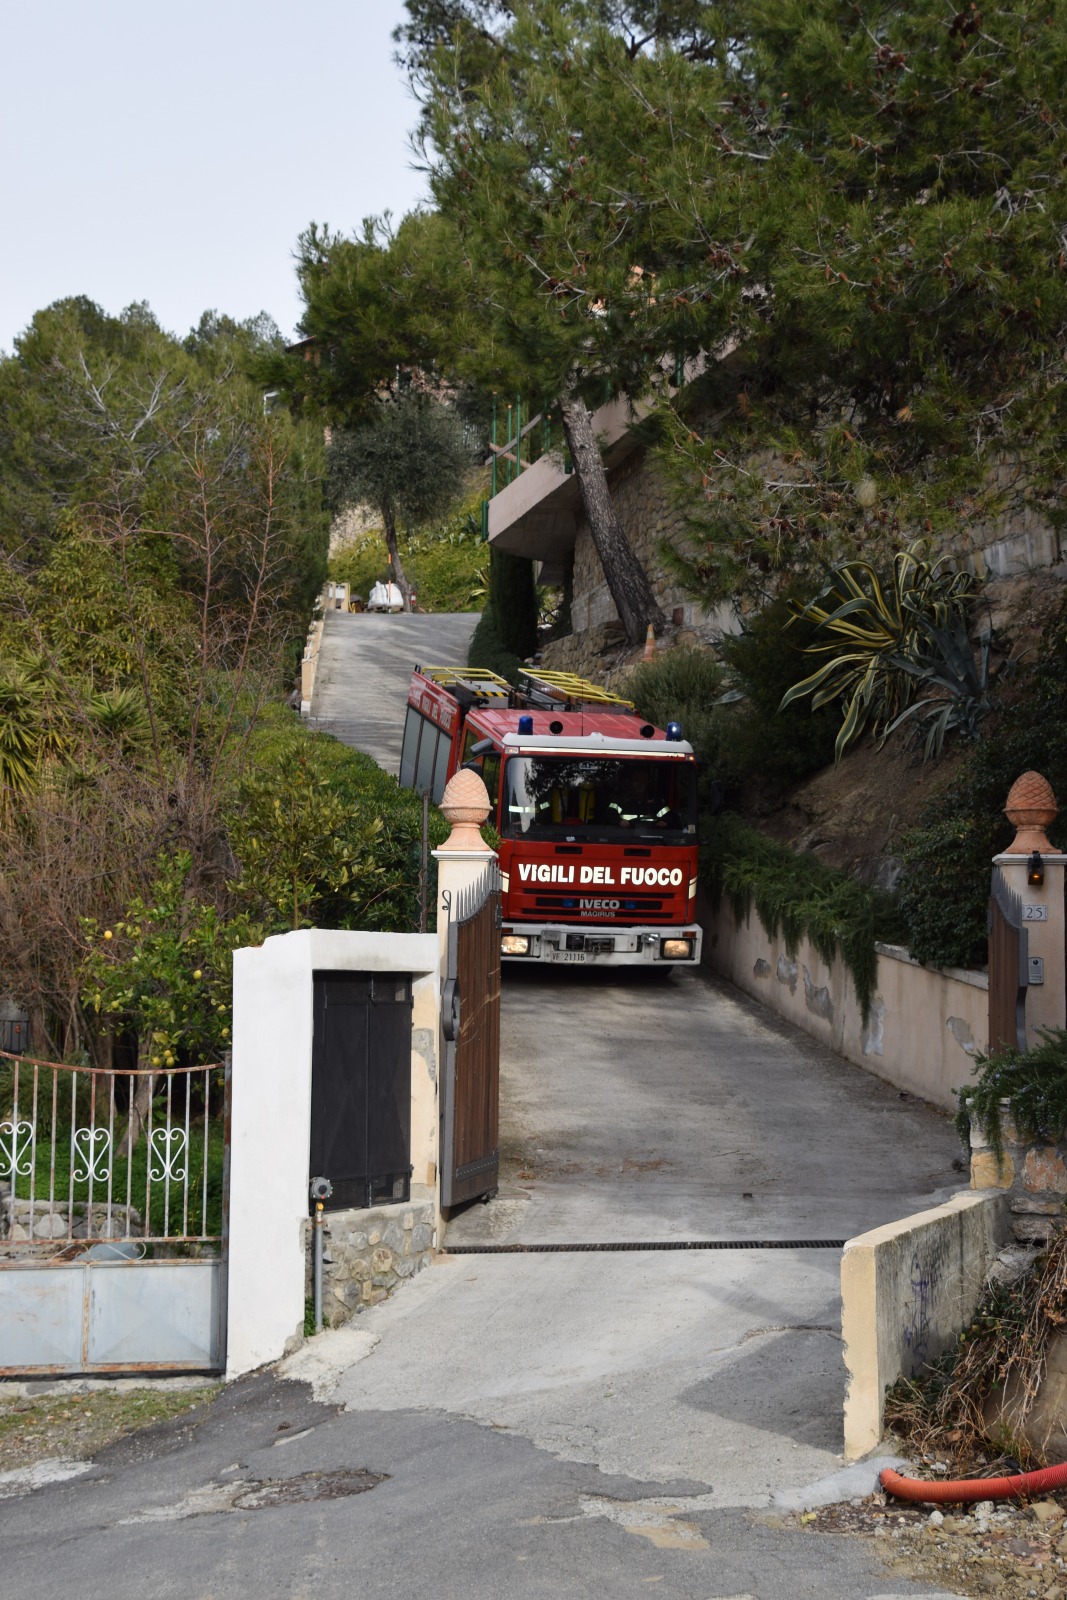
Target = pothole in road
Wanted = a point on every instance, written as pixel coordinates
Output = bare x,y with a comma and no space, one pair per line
308,1486
214,1499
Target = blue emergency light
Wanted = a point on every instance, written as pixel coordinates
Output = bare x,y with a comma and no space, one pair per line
526,724
674,731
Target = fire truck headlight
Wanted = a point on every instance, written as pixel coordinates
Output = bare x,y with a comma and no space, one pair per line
677,949
514,944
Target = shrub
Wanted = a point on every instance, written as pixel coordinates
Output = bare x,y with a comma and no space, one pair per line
731,714
513,602
1033,1082
759,739
681,685
945,883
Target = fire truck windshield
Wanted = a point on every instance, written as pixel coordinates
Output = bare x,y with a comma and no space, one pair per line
598,797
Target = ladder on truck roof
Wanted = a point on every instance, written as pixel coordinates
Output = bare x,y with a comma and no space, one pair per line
544,691
565,691
485,687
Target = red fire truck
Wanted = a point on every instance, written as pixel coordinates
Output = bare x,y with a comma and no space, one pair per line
596,811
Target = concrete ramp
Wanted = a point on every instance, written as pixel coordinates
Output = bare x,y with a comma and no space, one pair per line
364,668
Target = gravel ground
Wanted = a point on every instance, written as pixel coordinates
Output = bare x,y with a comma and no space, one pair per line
1013,1551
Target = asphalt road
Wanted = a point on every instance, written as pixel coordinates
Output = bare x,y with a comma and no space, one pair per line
256,1499
364,668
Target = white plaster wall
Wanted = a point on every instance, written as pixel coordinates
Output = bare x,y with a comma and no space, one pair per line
907,1289
270,1125
924,1025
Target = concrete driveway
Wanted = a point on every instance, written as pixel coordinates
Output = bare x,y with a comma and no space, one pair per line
658,1113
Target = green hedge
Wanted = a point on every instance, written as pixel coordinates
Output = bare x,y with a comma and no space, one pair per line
282,757
944,889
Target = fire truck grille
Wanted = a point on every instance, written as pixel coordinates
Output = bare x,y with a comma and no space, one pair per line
641,907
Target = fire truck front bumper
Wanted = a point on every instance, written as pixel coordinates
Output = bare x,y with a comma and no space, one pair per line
608,946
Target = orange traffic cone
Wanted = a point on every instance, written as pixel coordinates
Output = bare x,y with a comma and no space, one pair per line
650,644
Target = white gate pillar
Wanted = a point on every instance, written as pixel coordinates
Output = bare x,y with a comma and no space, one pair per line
461,861
1031,807
270,1118
464,856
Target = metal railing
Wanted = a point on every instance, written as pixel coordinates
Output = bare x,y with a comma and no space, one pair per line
522,445
89,1155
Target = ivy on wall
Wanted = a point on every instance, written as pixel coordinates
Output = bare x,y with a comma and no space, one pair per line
798,897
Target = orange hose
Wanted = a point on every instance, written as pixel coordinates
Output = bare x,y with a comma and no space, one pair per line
1018,1487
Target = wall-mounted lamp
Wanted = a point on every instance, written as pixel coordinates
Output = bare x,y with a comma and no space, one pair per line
1035,870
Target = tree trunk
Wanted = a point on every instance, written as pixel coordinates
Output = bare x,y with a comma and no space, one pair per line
143,1090
626,577
396,571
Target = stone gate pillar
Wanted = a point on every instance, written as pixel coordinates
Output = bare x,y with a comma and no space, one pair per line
1031,807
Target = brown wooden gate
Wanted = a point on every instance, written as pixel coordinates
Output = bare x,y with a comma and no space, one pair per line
1008,967
470,1101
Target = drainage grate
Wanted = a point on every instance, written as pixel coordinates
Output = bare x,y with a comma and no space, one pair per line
649,1244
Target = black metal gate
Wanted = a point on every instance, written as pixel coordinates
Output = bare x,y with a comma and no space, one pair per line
361,1087
470,1100
1008,967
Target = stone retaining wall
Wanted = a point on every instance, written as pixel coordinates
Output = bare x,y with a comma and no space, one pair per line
1017,537
1031,1172
23,1220
367,1253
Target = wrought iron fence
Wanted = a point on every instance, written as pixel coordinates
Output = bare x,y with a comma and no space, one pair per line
134,1159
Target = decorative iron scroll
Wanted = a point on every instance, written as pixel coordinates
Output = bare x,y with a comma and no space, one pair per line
90,1156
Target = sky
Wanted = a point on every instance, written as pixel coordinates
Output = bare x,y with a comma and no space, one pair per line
174,152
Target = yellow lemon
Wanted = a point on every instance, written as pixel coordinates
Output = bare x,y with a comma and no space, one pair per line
198,973
107,933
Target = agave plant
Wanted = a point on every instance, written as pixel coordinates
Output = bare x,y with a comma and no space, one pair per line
479,590
122,714
888,641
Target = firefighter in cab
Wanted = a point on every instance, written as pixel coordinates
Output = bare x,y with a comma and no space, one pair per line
636,806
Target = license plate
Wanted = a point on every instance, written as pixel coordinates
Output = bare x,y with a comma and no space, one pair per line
567,955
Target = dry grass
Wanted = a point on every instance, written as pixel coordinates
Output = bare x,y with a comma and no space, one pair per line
75,1424
943,1415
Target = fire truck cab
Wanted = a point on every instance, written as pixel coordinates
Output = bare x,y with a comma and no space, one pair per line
596,811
